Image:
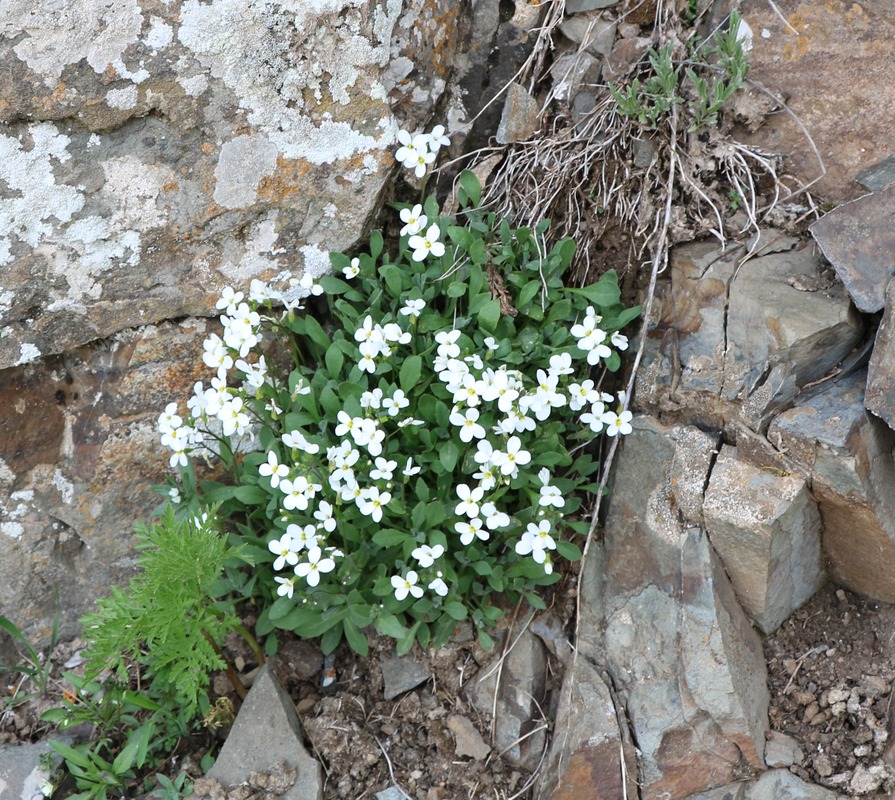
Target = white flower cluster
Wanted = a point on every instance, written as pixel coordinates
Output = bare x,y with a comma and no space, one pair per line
522,408
418,151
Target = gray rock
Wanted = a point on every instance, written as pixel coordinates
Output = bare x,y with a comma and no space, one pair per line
625,54
519,120
401,674
519,691
644,150
267,731
392,793
661,616
733,791
467,740
860,245
589,30
694,453
738,343
781,750
573,73
588,744
781,784
848,455
879,176
577,6
21,776
880,397
766,529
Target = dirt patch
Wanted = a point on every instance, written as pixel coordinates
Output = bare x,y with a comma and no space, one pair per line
831,673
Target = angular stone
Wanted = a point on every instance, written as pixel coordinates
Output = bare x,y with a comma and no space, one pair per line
520,690
733,791
624,55
880,397
781,784
879,176
733,341
520,116
21,774
467,739
694,452
589,30
577,6
848,453
766,529
663,619
781,750
267,731
573,72
818,73
860,244
585,757
401,674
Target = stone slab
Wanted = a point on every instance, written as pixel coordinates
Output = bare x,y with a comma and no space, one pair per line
860,244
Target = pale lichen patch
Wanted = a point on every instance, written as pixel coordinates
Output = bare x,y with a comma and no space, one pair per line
27,353
59,34
124,99
242,164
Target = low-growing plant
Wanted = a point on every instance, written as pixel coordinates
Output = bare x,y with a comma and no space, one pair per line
34,667
418,450
716,70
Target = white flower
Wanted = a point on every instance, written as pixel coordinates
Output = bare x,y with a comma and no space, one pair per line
285,551
468,424
411,146
594,418
229,299
395,403
304,537
582,394
493,517
514,456
486,477
617,423
404,585
174,494
310,285
412,308
410,469
324,515
233,418
561,364
471,529
314,566
426,555
423,245
273,470
169,420
287,586
484,454
216,355
448,347
537,541
371,399
550,495
297,441
414,218
384,469
353,269
436,139
410,421
439,586
619,340
347,423
421,162
370,502
491,343
469,500
367,363
296,497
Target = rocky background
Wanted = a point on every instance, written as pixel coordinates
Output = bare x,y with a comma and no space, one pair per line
153,152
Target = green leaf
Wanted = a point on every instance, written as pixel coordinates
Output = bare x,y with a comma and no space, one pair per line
405,643
331,638
456,289
448,456
316,332
410,373
392,276
569,551
455,610
357,641
334,361
388,537
489,315
485,640
471,189
528,292
418,517
388,625
250,495
330,402
333,285
280,608
603,293
375,244
70,755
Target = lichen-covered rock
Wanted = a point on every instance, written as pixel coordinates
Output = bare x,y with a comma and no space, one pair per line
151,153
